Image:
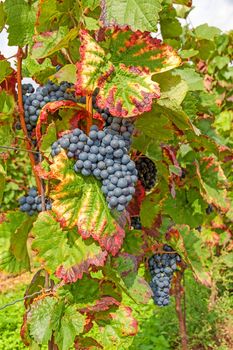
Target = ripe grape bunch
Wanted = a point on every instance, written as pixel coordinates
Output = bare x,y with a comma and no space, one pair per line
34,101
105,156
162,267
32,203
146,172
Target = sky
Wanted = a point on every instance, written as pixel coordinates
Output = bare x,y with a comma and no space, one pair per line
217,13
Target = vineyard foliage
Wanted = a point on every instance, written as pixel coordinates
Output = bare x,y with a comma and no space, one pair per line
177,85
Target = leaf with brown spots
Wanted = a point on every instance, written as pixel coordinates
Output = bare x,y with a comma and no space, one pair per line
64,252
79,202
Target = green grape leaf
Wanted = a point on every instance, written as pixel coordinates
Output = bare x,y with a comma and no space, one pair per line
151,207
141,50
48,316
40,318
172,87
5,69
48,138
83,291
191,77
14,231
39,71
7,105
206,32
66,73
91,4
190,245
182,208
48,43
126,267
155,125
71,324
188,53
174,112
52,14
2,16
141,15
79,203
74,256
21,19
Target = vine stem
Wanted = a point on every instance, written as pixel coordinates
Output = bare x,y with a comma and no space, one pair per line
89,110
181,318
21,116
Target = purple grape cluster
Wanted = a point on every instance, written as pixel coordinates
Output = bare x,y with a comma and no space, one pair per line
106,157
32,203
34,101
162,267
146,172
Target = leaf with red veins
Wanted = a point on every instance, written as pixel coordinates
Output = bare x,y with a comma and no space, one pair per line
129,92
86,343
79,202
139,49
93,63
51,108
74,257
103,304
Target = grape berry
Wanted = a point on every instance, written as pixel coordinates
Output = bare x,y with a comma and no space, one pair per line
162,267
32,203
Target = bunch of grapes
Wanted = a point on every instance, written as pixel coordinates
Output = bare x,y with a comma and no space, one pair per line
146,172
162,267
34,101
105,156
32,203
136,223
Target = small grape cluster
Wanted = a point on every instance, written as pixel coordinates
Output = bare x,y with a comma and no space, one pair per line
162,267
32,203
105,156
209,209
136,223
34,101
146,172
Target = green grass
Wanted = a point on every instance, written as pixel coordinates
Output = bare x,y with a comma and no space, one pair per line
11,319
158,327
